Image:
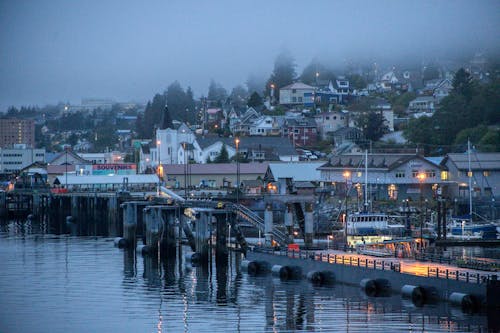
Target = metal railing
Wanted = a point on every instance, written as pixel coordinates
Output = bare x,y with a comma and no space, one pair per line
254,219
449,274
457,275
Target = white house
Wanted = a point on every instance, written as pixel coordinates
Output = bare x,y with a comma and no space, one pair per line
297,93
422,104
329,122
265,126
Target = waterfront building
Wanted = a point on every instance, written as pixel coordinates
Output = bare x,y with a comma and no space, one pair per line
485,173
64,163
14,131
390,176
212,175
288,177
138,183
13,159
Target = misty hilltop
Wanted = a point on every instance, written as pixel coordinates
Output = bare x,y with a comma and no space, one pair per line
63,51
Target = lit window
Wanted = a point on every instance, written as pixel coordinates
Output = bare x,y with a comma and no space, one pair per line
392,192
444,175
486,173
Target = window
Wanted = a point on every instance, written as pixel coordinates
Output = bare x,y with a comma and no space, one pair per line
300,99
392,192
294,99
444,175
294,91
486,173
328,117
400,174
430,173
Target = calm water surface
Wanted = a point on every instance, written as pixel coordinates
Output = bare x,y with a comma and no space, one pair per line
52,283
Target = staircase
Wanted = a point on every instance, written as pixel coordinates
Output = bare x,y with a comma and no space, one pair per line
254,219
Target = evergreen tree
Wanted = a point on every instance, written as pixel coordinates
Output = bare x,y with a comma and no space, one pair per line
254,100
316,71
216,93
462,84
372,124
223,156
283,73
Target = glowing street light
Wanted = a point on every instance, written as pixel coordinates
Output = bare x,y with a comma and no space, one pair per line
237,143
158,143
421,178
347,175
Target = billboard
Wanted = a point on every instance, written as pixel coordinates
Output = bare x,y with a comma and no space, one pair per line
114,169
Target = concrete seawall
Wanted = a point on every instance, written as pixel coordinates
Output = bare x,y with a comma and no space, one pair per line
438,288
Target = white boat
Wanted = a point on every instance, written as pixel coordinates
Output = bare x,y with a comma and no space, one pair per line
371,223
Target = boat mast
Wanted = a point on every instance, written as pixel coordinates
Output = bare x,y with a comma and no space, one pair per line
469,174
366,182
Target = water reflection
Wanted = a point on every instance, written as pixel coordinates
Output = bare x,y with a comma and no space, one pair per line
77,278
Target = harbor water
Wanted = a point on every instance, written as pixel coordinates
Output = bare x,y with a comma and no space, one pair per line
61,283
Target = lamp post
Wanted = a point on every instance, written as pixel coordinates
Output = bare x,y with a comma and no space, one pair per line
346,175
158,143
421,178
272,93
237,142
185,169
66,163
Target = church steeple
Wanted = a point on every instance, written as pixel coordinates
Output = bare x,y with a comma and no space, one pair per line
166,120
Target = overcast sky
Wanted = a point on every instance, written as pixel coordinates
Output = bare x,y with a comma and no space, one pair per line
63,50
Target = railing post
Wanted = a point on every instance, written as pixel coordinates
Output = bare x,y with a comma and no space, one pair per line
335,258
350,261
447,274
428,271
366,263
458,274
374,264
358,261
467,277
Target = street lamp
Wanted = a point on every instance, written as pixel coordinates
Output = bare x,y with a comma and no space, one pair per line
158,143
421,178
347,175
272,93
237,142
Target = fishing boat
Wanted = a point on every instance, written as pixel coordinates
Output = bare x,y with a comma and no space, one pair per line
462,228
378,225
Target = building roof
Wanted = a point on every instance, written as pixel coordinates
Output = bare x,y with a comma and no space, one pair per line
298,171
252,183
301,122
304,185
478,161
216,168
115,179
298,86
423,99
279,145
375,161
